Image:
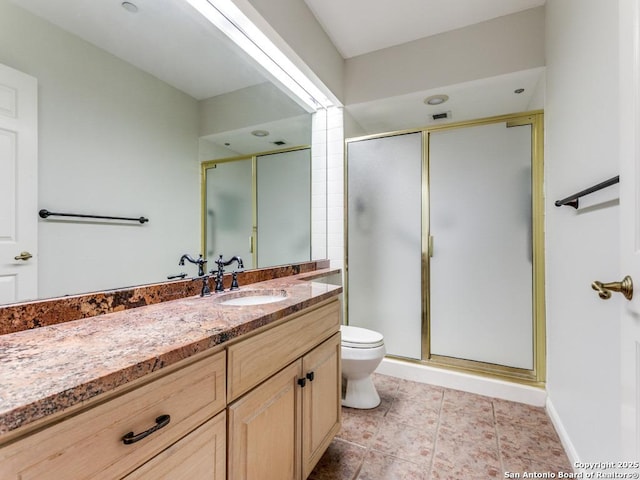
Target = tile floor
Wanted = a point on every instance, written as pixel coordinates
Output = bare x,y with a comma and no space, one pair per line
423,432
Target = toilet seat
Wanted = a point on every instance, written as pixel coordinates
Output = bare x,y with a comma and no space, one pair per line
356,337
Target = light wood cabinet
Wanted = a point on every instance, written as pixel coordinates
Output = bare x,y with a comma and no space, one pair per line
283,385
90,445
280,428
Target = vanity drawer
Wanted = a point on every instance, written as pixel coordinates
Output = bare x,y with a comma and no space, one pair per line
201,454
255,359
90,445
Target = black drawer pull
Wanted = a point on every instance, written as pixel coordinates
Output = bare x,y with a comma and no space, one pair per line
310,376
161,421
302,381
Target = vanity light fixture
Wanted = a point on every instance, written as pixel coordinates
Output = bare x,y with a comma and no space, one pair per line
260,133
436,99
225,15
129,7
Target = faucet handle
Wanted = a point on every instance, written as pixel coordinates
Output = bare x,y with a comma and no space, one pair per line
219,281
220,263
234,281
205,291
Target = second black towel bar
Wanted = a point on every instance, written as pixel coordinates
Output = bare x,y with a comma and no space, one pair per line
572,200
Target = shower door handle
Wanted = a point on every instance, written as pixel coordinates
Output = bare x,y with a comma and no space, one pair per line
604,289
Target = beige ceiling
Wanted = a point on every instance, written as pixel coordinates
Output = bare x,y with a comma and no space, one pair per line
357,27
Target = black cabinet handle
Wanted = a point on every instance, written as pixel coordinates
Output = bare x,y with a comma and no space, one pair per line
302,381
161,421
310,376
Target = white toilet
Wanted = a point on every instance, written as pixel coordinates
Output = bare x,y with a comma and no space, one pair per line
362,351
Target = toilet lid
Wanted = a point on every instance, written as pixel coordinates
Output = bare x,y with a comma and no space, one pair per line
356,337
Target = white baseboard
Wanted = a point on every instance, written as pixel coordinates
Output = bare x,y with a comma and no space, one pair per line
463,381
569,448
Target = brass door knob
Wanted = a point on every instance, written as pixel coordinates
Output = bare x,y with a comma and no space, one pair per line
23,256
604,289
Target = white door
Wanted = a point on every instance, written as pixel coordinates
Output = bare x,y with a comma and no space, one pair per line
384,252
18,185
630,222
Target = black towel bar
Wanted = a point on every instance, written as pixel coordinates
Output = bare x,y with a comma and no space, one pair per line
46,213
572,200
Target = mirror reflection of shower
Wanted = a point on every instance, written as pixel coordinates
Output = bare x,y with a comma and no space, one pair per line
251,201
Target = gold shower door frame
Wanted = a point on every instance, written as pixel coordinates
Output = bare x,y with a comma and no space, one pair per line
537,375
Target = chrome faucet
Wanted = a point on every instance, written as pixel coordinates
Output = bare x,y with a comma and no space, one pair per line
200,262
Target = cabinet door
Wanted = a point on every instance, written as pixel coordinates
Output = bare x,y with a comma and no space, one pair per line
201,454
264,430
321,401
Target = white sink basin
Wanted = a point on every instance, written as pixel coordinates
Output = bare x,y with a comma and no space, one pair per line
257,297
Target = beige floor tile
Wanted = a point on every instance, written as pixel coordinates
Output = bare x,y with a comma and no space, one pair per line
378,466
341,461
424,432
413,405
407,442
359,426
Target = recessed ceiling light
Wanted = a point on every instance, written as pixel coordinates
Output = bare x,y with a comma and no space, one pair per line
518,90
436,99
259,133
130,7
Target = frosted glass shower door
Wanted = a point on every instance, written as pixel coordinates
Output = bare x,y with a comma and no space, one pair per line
229,216
284,208
481,286
384,253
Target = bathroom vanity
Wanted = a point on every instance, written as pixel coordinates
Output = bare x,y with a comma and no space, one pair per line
173,390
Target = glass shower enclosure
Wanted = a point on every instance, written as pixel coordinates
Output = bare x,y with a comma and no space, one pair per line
445,244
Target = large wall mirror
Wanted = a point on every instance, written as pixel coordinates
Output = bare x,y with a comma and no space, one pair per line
132,98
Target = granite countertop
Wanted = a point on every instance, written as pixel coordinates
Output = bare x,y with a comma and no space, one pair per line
45,370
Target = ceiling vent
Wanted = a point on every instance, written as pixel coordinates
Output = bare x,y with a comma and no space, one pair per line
441,116
279,143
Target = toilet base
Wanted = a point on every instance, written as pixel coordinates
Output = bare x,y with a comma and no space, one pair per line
360,393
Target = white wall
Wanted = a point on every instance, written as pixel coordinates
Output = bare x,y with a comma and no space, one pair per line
113,140
582,246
